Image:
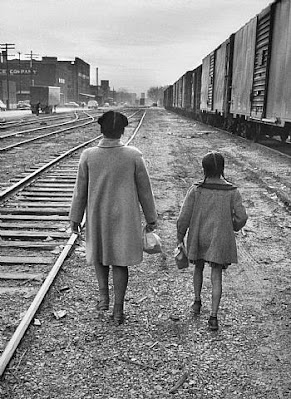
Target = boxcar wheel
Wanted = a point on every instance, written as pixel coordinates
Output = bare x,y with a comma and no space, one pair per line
284,136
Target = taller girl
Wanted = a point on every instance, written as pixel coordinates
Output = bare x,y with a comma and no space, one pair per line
211,212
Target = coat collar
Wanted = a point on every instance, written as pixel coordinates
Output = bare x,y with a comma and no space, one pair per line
216,184
108,143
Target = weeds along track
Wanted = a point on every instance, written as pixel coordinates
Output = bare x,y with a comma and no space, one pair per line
35,239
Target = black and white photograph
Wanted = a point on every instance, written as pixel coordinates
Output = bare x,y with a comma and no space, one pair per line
145,199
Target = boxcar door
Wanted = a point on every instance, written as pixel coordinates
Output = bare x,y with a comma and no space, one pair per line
261,64
228,75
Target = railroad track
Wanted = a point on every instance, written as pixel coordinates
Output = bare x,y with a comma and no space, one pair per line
12,140
34,234
276,144
32,120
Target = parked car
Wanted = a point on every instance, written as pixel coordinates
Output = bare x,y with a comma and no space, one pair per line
23,105
71,104
92,104
2,106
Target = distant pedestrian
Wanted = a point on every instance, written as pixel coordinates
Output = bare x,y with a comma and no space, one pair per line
37,108
211,212
112,183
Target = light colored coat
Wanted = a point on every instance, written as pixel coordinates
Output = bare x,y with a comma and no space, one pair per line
211,216
112,183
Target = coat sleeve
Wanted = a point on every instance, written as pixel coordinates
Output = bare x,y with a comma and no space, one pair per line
239,215
185,214
144,190
79,200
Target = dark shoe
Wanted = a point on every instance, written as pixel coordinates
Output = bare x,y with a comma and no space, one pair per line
118,315
103,303
118,319
196,307
102,306
213,323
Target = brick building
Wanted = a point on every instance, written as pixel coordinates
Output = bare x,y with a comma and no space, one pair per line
73,77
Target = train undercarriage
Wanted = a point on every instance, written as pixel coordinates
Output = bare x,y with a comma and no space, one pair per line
240,126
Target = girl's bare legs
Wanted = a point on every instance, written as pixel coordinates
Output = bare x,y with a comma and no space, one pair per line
216,281
102,273
120,280
197,283
198,279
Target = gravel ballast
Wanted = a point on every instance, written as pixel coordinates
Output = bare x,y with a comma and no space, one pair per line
162,350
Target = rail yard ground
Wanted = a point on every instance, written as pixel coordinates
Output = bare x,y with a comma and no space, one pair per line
162,351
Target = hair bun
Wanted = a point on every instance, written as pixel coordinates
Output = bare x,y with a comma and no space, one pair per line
112,121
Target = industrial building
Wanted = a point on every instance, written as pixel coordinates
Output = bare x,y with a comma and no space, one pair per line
73,77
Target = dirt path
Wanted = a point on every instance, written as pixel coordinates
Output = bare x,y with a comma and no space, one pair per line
83,356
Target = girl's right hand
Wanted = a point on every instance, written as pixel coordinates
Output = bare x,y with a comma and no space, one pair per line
75,227
151,227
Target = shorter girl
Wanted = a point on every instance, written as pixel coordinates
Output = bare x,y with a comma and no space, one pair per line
211,212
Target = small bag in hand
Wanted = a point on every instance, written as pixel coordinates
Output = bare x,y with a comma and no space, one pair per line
180,255
151,242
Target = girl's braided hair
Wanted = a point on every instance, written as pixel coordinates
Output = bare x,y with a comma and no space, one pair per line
213,164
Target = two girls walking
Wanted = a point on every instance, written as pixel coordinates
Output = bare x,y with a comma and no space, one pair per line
113,182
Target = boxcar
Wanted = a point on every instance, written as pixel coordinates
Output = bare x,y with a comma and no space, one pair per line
178,90
277,106
216,83
244,85
168,97
187,90
261,87
196,92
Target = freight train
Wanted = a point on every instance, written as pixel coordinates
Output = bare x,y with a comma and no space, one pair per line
244,85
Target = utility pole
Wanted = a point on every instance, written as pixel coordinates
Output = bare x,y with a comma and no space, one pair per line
19,64
97,83
31,55
6,47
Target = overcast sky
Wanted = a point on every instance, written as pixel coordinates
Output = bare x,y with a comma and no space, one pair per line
134,43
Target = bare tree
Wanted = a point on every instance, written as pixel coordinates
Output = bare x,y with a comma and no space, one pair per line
156,94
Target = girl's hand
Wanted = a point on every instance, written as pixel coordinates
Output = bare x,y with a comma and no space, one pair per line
75,227
151,227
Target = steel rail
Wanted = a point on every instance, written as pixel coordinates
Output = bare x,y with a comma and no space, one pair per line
29,121
4,195
92,119
26,320
39,128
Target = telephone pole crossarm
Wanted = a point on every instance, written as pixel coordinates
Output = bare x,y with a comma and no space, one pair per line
31,55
